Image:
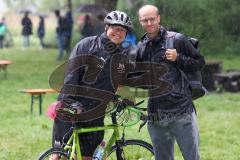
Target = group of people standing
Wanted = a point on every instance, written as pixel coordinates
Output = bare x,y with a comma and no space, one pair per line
63,31
171,115
27,30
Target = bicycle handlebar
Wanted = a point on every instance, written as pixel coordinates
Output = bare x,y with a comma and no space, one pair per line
131,107
120,105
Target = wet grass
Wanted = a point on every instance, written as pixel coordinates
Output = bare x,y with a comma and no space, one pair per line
25,136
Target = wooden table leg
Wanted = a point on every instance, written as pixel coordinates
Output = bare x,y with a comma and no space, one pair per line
31,105
40,103
4,69
39,97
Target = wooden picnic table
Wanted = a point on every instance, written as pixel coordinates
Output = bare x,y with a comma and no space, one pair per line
230,81
211,67
3,66
37,94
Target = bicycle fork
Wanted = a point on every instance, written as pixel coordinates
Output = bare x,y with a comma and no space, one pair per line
119,151
119,142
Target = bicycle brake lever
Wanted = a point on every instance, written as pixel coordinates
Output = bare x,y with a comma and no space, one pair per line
128,102
64,115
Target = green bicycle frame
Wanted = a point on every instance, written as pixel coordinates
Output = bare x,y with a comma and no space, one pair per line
74,139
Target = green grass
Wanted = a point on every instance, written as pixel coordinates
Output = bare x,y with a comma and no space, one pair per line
24,136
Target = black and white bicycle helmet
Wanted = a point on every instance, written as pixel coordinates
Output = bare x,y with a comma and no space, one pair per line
118,18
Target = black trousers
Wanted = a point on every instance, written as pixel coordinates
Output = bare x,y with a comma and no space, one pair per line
1,41
88,141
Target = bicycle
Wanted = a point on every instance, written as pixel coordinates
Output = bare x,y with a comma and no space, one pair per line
117,148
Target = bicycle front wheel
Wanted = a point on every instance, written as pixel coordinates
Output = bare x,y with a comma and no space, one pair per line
53,154
133,150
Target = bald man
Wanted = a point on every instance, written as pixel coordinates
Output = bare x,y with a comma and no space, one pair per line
171,116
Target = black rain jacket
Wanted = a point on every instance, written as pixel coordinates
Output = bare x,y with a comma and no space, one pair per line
178,100
97,46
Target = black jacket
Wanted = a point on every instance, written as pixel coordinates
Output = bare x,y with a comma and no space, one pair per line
27,26
41,29
179,99
95,45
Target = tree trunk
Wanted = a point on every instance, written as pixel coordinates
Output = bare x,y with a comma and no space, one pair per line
109,5
69,4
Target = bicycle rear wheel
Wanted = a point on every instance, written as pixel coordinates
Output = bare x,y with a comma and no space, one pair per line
54,153
134,150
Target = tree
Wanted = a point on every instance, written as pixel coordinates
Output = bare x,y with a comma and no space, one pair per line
109,5
69,3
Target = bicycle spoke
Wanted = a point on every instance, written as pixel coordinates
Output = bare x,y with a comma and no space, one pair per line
54,154
134,150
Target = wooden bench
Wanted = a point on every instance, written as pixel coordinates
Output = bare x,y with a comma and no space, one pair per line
37,94
3,66
211,67
229,80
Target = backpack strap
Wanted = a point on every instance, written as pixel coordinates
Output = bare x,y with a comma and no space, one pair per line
170,37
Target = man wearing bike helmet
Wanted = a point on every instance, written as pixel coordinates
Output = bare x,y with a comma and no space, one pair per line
103,46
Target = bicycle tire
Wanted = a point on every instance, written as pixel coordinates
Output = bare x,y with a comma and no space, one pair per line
134,150
48,153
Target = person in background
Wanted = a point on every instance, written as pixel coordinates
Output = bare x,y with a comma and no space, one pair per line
88,28
99,27
7,40
26,30
60,35
172,116
41,32
3,31
67,33
131,40
80,22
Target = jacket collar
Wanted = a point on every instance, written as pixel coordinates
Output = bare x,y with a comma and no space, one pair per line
104,39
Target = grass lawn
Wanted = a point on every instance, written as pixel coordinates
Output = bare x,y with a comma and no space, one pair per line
24,136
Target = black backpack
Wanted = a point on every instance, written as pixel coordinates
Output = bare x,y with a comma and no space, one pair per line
194,78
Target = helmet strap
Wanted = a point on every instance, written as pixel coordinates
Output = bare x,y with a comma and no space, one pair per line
106,28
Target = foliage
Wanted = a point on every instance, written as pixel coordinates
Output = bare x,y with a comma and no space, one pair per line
214,22
229,16
133,12
109,5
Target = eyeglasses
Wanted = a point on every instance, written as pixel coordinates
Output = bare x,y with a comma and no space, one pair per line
151,20
118,28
